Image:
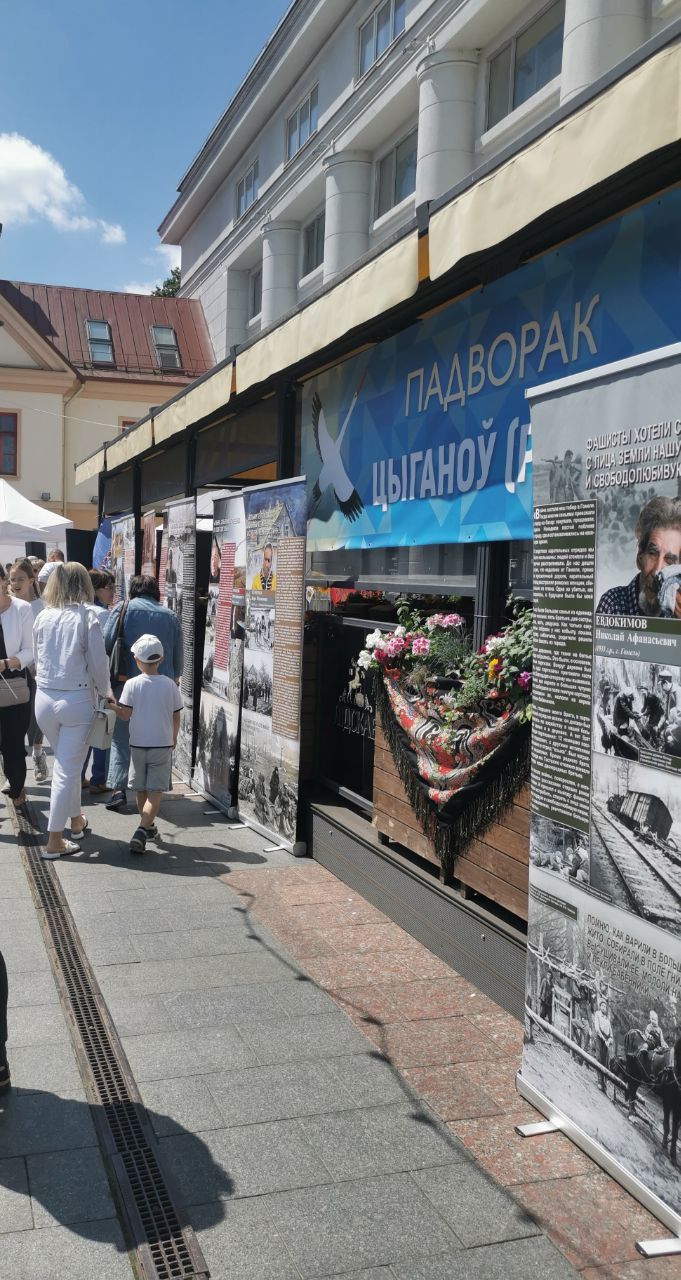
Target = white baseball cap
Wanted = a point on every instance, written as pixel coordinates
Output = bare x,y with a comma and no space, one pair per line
48,568
148,649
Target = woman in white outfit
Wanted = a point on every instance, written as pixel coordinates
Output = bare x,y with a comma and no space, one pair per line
71,668
16,653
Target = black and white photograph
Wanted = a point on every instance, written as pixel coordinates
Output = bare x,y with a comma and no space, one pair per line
637,709
256,690
209,635
268,776
638,554
559,477
559,849
636,840
216,747
260,627
600,1042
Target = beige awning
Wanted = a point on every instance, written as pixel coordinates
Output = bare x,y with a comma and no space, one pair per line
199,400
636,116
91,466
127,446
390,278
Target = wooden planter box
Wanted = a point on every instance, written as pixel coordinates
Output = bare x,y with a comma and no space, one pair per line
496,866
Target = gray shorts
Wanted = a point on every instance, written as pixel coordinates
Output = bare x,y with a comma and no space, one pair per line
150,768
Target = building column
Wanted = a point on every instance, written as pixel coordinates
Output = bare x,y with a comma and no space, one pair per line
346,233
280,262
446,142
597,34
236,309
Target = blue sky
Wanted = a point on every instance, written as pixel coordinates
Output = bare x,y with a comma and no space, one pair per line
102,108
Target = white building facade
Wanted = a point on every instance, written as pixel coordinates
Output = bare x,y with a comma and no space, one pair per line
355,113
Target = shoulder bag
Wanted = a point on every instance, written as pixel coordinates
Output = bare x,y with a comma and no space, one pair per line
116,655
14,690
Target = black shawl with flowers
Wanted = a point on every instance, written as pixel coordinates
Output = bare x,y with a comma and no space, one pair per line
459,776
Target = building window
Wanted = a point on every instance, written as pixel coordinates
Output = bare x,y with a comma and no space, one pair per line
526,64
385,23
255,294
313,244
9,433
99,341
247,190
165,342
303,123
396,175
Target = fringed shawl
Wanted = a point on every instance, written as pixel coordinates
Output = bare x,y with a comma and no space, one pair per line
459,777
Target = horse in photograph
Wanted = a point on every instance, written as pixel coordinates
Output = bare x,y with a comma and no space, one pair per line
660,1070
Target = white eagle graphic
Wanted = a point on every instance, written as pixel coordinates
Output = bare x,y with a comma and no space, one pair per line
333,473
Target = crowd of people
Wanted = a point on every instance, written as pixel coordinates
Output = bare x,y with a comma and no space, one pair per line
66,650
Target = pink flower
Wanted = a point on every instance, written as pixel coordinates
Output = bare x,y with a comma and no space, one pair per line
421,645
524,680
451,620
381,655
395,646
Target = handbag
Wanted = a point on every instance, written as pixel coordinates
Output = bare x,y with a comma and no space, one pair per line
14,690
116,655
100,733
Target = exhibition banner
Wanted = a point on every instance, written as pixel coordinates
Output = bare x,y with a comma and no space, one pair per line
425,438
220,709
149,544
122,562
603,993
272,657
179,588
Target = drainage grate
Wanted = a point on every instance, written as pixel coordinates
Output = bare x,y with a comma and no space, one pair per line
163,1240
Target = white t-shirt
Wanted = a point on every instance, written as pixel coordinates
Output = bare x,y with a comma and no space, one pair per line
153,700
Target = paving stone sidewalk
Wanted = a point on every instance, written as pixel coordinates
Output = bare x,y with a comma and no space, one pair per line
330,1097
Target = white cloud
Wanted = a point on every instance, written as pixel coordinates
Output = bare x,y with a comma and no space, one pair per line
170,253
33,185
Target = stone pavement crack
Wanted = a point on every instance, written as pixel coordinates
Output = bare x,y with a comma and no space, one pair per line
158,1233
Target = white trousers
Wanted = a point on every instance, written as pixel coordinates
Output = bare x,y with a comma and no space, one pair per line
65,715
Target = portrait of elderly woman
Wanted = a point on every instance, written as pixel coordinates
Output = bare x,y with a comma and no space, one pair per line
655,591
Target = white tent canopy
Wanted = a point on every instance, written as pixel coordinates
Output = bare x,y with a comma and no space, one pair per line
21,519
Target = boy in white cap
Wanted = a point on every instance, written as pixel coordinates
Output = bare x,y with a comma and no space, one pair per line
152,703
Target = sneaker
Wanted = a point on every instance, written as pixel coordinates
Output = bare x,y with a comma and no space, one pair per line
40,767
5,1078
118,799
6,788
138,844
151,832
69,847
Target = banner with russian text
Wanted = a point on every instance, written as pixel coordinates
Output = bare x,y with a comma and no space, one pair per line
122,558
272,657
220,709
179,587
425,438
603,992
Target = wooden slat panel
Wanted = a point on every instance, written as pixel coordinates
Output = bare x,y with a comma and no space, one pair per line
418,844
389,783
489,859
396,808
484,882
510,842
518,820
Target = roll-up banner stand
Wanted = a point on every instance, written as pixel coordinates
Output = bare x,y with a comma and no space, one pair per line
220,710
249,731
602,1053
178,577
122,554
149,544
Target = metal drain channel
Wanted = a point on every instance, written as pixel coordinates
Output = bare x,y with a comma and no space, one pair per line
157,1229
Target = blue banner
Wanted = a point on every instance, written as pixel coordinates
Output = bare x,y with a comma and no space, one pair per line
425,438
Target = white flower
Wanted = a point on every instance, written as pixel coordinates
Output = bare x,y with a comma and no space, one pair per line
373,639
365,659
400,631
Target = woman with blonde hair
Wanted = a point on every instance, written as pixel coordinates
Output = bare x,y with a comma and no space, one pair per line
16,653
71,669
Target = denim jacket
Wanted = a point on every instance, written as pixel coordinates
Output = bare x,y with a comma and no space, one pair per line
145,616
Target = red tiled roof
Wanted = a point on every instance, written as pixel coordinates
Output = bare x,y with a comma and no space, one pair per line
58,314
